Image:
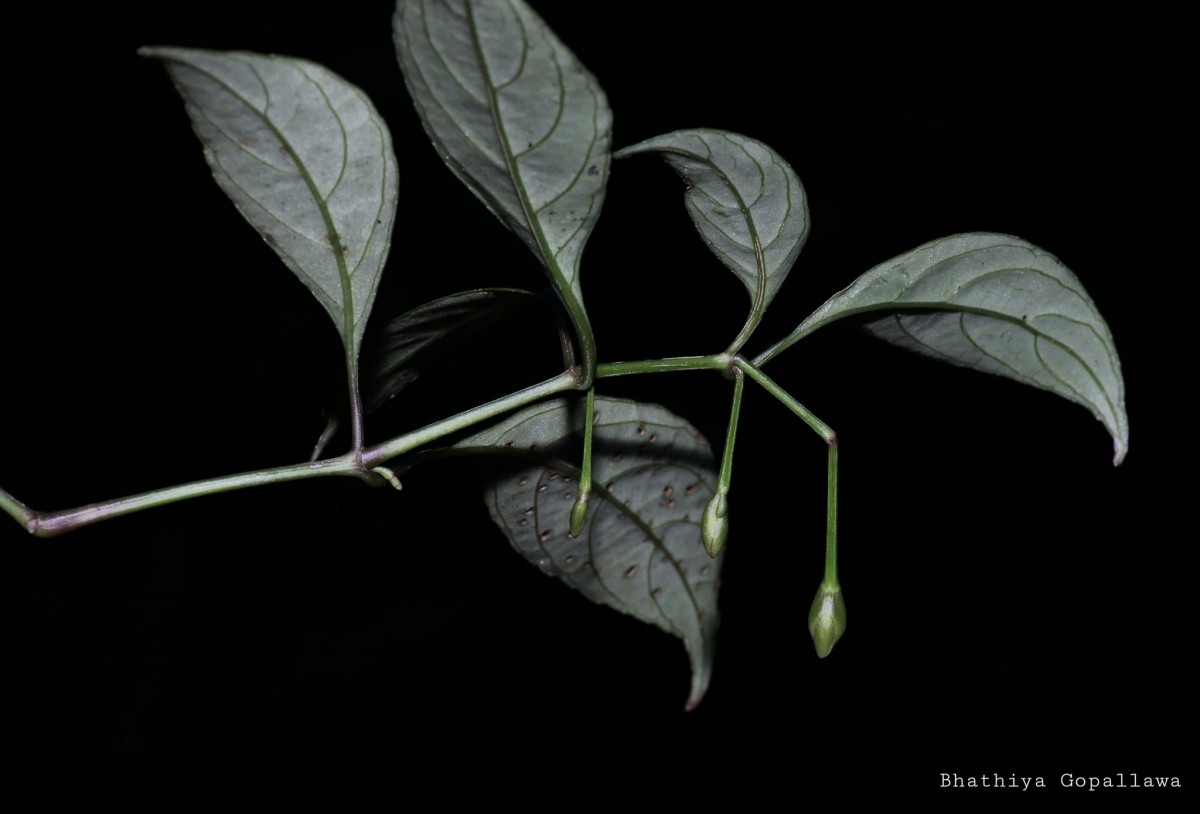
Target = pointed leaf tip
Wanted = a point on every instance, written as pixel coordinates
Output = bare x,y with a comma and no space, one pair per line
997,304
639,551
306,159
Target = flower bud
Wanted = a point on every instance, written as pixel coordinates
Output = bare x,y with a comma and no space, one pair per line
714,528
827,618
579,512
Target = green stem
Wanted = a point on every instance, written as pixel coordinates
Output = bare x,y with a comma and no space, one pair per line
49,524
830,437
714,524
818,426
747,329
374,456
726,473
16,509
831,574
584,492
609,369
356,407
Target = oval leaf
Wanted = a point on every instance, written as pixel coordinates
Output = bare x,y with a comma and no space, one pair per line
1004,306
640,550
747,203
306,159
519,120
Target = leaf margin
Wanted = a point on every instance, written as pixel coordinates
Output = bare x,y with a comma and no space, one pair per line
873,291
497,439
767,281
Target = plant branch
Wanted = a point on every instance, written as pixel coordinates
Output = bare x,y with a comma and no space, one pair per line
16,509
50,524
610,369
374,456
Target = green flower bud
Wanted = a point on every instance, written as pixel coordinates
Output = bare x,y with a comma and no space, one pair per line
579,512
827,618
714,528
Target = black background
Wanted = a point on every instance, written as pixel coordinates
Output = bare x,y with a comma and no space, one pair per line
1017,605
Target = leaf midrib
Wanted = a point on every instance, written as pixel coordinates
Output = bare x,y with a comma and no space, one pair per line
510,160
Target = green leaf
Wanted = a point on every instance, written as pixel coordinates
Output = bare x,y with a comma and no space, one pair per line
1000,305
747,203
392,357
519,120
306,159
640,550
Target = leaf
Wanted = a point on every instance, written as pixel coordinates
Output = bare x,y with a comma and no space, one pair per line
306,159
392,357
1004,306
519,120
442,322
640,550
747,203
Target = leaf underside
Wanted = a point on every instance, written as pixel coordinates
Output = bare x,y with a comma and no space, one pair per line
517,118
640,550
393,354
307,160
747,203
997,304
405,340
